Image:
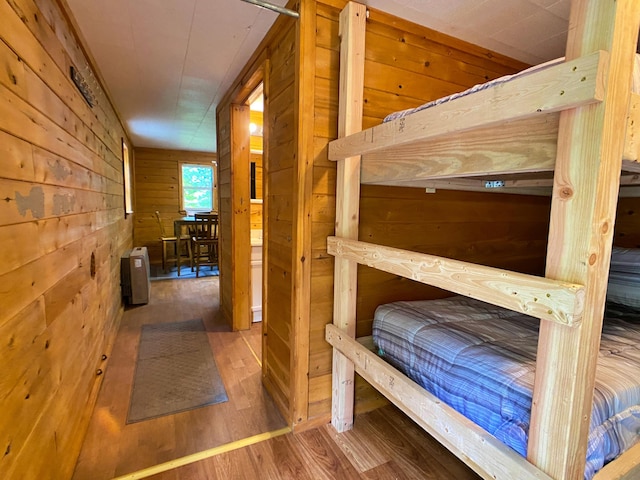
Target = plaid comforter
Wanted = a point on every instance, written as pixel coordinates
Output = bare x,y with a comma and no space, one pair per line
480,359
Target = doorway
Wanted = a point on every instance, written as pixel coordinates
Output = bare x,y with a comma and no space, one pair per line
243,201
256,129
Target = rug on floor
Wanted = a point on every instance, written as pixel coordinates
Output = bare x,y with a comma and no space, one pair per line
175,371
156,272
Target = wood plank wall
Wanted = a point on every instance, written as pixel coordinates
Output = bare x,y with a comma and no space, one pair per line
406,65
279,203
223,132
157,188
256,216
274,64
62,231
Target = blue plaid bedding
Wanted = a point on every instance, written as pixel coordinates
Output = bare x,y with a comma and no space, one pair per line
480,360
623,285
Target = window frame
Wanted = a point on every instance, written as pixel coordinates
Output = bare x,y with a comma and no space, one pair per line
211,166
127,183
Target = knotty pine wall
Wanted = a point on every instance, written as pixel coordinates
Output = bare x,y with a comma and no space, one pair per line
157,188
280,202
62,231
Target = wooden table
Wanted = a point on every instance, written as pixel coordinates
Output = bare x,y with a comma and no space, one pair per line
181,222
178,223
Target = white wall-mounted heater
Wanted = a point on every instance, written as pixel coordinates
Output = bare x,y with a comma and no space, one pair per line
134,276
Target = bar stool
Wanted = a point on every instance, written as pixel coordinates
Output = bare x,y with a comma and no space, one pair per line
205,241
170,252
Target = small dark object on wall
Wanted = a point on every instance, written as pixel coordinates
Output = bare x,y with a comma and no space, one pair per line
80,82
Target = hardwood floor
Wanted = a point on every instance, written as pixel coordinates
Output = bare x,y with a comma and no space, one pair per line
384,444
113,448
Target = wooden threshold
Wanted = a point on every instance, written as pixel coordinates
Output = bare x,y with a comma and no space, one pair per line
196,457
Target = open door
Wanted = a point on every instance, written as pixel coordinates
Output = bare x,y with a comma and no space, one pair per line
241,217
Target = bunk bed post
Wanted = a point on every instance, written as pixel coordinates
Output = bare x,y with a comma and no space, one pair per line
586,184
352,29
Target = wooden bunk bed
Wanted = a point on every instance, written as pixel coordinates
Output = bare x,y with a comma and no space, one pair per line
581,119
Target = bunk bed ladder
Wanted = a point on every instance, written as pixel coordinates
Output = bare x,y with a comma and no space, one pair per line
352,27
585,192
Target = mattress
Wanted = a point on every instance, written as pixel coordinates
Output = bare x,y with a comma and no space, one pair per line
499,81
480,359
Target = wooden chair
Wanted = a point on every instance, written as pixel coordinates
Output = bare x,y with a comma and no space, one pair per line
205,241
170,252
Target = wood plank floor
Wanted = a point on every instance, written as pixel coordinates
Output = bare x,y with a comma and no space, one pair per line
113,448
384,444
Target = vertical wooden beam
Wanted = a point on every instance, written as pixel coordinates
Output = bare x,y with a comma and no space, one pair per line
303,186
352,37
240,217
225,245
586,183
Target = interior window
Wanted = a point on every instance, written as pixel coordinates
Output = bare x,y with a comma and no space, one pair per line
197,188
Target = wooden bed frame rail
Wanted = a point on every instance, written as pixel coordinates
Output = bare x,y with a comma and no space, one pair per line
500,130
539,297
594,134
489,457
563,86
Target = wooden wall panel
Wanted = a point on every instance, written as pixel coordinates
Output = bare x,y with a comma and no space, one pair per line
157,188
256,216
406,65
223,123
241,219
279,179
63,233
